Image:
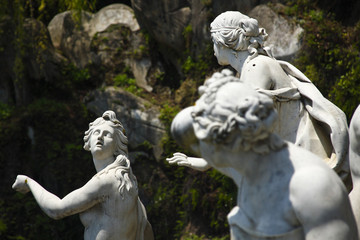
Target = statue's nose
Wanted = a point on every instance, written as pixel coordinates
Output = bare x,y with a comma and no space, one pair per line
100,136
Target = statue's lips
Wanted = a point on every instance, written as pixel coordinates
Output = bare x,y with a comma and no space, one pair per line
99,144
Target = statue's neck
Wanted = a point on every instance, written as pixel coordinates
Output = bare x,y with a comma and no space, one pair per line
100,164
238,60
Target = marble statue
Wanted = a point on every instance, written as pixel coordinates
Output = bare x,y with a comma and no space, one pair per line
354,159
108,204
284,191
306,118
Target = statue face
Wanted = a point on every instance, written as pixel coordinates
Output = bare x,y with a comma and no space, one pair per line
221,53
102,143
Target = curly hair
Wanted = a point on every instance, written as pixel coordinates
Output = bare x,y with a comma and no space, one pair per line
239,32
109,117
232,112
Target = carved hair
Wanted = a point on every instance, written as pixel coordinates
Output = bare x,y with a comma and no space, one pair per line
123,173
243,123
238,32
109,117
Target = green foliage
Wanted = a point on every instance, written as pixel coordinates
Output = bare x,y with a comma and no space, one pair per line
128,83
197,68
206,3
346,91
329,55
167,113
5,111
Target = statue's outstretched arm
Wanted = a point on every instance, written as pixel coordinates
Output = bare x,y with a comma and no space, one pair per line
181,159
77,201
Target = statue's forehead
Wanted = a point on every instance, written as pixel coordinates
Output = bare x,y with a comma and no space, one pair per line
104,127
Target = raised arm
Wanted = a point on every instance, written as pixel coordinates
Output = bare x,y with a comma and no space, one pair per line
321,205
81,199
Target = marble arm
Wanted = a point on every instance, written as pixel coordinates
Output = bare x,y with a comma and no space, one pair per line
79,200
195,163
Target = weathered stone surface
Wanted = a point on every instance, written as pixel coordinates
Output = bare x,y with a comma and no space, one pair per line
109,39
113,14
71,39
139,117
283,34
166,21
24,66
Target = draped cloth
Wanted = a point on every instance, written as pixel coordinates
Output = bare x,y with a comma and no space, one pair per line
309,120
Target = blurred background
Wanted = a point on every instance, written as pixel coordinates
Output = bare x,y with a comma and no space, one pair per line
63,63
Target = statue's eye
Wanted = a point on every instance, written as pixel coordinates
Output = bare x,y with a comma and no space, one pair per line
109,135
96,132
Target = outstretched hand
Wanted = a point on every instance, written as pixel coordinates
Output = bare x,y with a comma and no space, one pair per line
20,184
179,159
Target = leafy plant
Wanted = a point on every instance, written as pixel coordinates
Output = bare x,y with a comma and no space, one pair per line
128,83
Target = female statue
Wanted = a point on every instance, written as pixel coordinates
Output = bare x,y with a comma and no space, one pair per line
284,192
108,204
306,118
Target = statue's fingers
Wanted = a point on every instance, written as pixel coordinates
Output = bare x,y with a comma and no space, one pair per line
179,154
184,164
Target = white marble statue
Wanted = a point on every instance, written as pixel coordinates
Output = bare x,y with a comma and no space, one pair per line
284,192
306,118
354,159
108,204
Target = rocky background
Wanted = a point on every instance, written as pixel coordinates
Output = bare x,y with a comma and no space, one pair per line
63,63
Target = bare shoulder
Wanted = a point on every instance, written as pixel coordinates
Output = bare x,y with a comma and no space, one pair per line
262,62
321,204
316,190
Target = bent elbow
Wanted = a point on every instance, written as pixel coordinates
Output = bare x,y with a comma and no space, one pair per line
56,213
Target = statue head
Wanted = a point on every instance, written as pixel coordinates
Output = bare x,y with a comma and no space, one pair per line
232,113
238,32
114,131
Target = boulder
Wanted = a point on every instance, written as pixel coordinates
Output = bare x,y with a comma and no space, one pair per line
113,14
139,117
26,66
107,41
72,38
284,35
177,25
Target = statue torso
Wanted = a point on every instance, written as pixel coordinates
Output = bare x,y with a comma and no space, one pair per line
106,220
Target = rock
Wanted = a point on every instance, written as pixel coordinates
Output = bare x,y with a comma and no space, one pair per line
139,117
26,66
140,69
71,38
283,34
113,14
164,20
108,41
177,25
